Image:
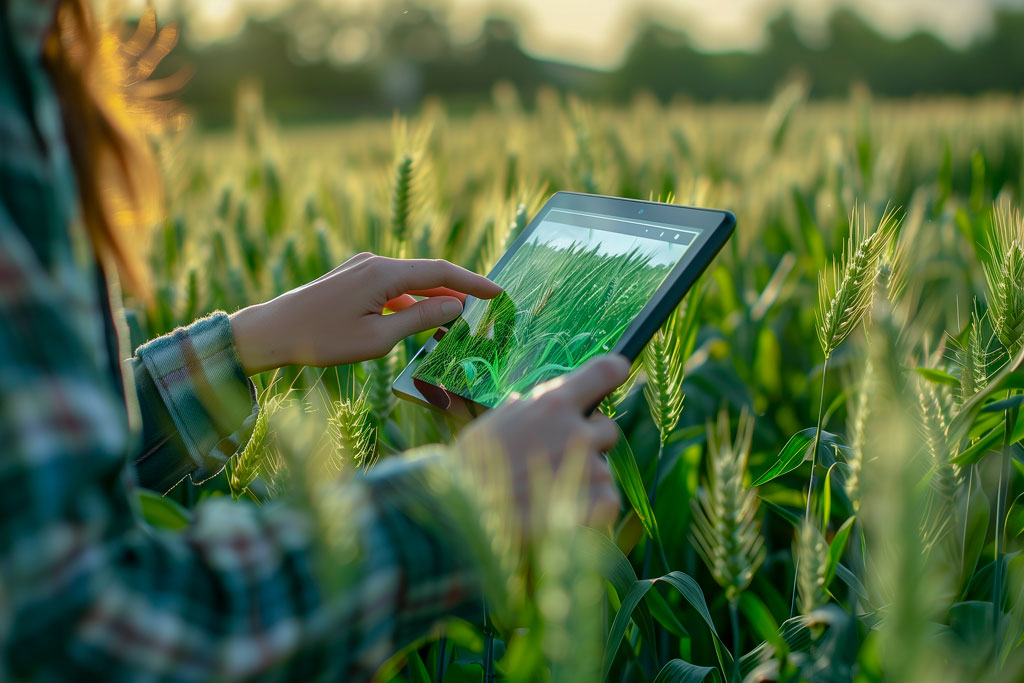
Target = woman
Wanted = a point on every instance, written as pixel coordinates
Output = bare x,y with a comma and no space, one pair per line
89,592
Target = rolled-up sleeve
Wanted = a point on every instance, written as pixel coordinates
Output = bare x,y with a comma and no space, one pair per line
197,405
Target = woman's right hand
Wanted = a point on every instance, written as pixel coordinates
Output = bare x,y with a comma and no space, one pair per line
538,435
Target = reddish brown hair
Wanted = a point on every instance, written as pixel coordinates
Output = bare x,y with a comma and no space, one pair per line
109,108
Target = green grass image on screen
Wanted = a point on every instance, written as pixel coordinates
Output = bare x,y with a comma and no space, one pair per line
570,293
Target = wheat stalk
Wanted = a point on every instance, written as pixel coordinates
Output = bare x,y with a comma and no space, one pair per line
811,558
972,357
726,532
380,374
401,206
352,433
1004,275
858,415
933,425
663,364
254,459
844,299
610,405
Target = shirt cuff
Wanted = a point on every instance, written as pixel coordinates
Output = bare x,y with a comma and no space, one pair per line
199,378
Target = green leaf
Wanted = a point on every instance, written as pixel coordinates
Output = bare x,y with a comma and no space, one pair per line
787,515
623,464
1005,404
836,549
797,449
417,669
615,568
691,592
980,448
790,458
760,617
826,507
678,671
973,543
664,615
162,513
687,587
851,580
1015,518
629,603
1007,378
938,376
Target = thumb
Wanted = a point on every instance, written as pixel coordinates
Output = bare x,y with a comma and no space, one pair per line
424,315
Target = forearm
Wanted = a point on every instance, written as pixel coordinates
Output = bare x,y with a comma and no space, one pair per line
197,408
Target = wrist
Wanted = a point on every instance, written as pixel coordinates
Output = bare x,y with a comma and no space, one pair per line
257,343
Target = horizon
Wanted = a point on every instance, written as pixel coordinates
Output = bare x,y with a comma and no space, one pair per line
553,30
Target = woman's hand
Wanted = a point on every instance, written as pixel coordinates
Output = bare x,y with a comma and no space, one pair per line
338,318
535,438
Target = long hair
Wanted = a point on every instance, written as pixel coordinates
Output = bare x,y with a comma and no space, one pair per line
109,108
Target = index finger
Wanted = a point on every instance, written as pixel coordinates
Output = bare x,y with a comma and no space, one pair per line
594,380
420,274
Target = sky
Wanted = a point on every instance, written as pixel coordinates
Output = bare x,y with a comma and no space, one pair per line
596,32
562,236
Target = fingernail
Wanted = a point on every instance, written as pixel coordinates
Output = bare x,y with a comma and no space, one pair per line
451,308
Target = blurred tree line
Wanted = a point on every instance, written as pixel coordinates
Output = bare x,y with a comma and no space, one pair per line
315,63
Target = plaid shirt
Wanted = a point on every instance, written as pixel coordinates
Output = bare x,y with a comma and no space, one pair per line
87,589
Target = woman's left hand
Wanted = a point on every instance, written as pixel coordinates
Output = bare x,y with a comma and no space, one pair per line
338,318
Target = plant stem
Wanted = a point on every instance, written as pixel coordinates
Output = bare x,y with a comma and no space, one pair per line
488,648
441,643
1010,420
734,617
652,497
811,483
817,441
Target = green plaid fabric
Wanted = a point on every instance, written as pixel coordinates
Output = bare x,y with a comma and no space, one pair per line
90,592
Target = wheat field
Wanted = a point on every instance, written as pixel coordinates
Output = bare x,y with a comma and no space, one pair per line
821,455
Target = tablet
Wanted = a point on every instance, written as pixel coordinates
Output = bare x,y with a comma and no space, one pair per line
589,275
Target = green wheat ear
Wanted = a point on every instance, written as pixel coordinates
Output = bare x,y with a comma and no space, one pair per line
253,460
844,299
1004,273
380,374
971,356
401,205
610,405
726,532
811,553
858,416
352,433
662,361
934,420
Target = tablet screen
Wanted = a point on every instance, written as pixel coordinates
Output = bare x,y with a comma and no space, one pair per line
570,291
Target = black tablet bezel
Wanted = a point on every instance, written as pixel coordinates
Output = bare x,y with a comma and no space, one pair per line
715,228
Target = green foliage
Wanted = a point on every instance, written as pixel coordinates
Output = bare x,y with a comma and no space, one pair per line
913,453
